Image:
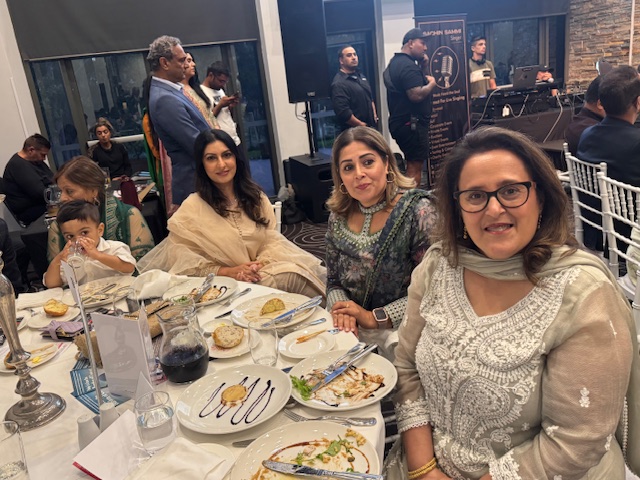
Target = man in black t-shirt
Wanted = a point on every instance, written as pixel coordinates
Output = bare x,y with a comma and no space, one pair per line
25,178
409,99
351,93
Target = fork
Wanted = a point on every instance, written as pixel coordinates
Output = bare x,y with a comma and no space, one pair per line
352,351
357,421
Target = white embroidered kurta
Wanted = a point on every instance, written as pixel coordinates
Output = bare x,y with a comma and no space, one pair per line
533,392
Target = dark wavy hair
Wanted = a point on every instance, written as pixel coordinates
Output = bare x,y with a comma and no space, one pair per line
194,82
84,172
247,191
554,223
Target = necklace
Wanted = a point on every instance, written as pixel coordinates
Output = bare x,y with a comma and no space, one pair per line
381,205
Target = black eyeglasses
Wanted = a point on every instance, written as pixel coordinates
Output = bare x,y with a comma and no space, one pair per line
513,195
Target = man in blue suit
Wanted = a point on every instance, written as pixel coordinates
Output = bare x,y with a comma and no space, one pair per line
176,120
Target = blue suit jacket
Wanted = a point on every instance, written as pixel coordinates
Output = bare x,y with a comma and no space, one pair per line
177,122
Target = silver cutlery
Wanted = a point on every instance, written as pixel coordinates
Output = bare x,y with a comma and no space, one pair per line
342,368
286,317
243,443
206,285
352,351
354,421
229,300
309,323
292,469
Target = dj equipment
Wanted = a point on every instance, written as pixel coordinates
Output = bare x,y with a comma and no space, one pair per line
505,102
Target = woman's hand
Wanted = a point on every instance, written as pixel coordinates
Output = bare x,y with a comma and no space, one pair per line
348,316
246,272
436,474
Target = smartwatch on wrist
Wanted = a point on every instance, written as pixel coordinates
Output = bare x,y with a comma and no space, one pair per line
381,317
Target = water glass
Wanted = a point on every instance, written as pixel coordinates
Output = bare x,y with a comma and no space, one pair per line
263,343
155,420
107,177
130,303
12,460
76,256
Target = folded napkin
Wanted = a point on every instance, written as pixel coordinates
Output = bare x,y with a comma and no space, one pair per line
37,299
155,283
184,460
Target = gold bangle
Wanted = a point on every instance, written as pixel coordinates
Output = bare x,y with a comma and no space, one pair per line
423,470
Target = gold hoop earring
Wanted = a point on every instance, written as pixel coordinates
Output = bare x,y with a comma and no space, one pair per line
393,177
344,192
539,221
465,234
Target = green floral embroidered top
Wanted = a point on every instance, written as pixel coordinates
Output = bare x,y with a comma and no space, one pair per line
351,257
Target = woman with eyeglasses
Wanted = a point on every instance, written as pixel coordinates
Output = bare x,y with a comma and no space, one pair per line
514,358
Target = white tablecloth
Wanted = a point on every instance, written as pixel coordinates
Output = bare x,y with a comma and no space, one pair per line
50,449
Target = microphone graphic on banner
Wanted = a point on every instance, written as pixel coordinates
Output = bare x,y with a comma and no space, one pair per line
447,69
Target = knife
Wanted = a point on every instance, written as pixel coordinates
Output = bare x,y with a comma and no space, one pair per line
206,285
230,299
342,368
286,317
292,469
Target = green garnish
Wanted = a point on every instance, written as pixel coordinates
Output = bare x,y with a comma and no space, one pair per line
299,459
350,470
301,385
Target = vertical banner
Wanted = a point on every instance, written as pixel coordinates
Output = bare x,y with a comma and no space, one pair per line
448,64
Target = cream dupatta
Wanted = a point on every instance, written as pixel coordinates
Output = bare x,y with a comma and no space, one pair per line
200,239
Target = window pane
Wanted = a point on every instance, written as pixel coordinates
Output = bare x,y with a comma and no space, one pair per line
56,111
515,44
111,87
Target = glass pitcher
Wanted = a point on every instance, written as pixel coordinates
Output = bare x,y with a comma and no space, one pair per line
184,353
52,196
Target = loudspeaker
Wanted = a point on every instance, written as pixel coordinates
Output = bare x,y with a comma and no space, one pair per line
304,41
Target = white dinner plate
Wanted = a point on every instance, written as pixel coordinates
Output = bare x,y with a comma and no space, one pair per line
217,352
290,347
200,407
372,363
26,316
297,435
118,291
226,285
250,310
39,354
41,319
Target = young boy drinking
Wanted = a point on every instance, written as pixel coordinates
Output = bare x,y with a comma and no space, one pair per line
80,225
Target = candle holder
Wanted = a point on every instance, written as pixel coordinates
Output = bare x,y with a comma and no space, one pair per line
34,409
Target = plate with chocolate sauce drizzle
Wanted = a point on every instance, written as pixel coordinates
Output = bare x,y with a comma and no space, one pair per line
233,399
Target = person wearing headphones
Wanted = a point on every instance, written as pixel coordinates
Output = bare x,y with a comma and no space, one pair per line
482,76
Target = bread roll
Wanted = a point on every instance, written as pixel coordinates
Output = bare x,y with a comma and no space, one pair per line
227,336
55,308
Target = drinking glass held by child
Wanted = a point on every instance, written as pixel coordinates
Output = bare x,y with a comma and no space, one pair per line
80,225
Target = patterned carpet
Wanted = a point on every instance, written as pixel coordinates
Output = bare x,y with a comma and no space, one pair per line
307,235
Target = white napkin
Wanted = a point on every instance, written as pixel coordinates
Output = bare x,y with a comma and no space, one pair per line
155,283
37,299
184,460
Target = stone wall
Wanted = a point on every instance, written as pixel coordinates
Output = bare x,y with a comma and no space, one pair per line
600,29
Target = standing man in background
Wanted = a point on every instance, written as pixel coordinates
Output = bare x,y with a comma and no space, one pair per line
482,76
351,93
213,86
409,99
176,120
25,178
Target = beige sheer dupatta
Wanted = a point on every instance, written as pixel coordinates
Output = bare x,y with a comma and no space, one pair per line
200,238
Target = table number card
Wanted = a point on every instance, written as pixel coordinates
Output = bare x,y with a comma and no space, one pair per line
124,351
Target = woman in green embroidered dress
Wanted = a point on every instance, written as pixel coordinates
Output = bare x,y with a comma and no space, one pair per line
81,179
514,357
378,232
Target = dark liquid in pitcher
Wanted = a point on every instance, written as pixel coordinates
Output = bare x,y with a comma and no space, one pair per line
185,364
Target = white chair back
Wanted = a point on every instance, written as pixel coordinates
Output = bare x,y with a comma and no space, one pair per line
621,203
277,210
583,179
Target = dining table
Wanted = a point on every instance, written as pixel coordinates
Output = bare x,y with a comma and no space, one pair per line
50,449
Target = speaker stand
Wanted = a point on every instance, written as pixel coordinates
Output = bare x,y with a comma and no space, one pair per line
307,117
